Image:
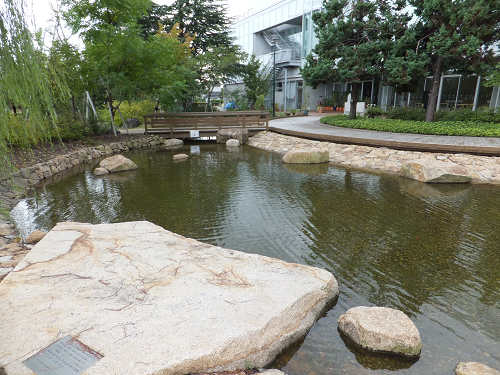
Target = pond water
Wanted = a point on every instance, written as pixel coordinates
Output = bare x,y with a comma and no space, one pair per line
431,251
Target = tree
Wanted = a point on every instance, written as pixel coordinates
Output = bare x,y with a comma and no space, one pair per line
458,35
256,79
221,65
124,63
27,113
216,57
355,39
204,20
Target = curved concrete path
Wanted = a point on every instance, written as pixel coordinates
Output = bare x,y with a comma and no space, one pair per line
310,127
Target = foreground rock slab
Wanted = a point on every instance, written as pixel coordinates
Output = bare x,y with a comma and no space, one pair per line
117,163
474,368
434,171
152,302
381,329
306,157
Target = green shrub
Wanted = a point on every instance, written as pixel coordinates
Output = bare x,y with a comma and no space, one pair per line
406,113
129,109
375,112
464,128
481,115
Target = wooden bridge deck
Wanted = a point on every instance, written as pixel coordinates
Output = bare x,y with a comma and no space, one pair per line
207,124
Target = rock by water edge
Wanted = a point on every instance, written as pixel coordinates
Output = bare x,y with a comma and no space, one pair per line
306,157
474,368
434,171
381,329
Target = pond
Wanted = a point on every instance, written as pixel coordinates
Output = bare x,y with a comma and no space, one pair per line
430,251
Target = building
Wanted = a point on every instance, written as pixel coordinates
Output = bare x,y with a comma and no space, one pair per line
285,31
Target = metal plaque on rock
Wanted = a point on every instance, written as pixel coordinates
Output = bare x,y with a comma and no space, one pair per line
67,356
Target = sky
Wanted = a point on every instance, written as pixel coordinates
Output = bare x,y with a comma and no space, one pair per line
42,8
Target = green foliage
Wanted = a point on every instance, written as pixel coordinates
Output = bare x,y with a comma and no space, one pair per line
259,104
464,128
453,35
481,115
256,80
248,365
292,111
129,109
354,40
24,85
120,61
405,113
494,78
204,20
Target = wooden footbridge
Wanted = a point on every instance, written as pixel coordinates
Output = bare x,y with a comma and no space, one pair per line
203,124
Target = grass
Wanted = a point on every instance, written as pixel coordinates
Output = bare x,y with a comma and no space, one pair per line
463,128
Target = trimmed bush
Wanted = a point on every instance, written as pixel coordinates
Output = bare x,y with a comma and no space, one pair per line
464,128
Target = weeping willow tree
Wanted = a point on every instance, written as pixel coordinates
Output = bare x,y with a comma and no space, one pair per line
27,114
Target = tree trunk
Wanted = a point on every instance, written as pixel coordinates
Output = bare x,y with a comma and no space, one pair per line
73,106
354,101
112,113
433,95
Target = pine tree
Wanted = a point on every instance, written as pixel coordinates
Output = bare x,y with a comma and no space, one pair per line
355,39
204,20
458,35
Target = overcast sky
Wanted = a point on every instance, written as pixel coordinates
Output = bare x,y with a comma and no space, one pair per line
42,8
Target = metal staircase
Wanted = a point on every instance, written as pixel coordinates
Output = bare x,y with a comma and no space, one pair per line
273,36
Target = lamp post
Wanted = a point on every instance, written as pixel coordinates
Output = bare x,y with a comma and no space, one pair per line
274,38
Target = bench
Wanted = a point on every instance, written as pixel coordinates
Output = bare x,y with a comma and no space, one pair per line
180,124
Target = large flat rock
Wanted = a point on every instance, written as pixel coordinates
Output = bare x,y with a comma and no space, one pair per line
153,302
435,171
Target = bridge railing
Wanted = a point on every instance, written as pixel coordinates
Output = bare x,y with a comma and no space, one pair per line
181,124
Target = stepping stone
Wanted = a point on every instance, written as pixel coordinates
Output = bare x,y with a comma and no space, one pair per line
150,301
381,329
474,368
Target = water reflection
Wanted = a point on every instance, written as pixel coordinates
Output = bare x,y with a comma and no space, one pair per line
428,250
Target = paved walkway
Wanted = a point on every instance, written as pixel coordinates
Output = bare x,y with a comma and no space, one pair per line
310,127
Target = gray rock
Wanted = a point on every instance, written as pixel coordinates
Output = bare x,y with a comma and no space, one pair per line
173,143
474,368
306,157
233,143
179,157
35,237
100,171
117,163
224,135
435,171
381,329
153,302
132,122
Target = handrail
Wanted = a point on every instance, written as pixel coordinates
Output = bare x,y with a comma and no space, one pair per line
178,123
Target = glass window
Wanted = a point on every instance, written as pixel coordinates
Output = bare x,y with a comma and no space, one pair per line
467,91
484,98
449,92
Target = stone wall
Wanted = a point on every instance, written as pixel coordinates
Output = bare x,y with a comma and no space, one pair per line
28,177
483,169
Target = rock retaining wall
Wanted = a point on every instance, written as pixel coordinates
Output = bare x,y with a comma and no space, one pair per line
482,169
